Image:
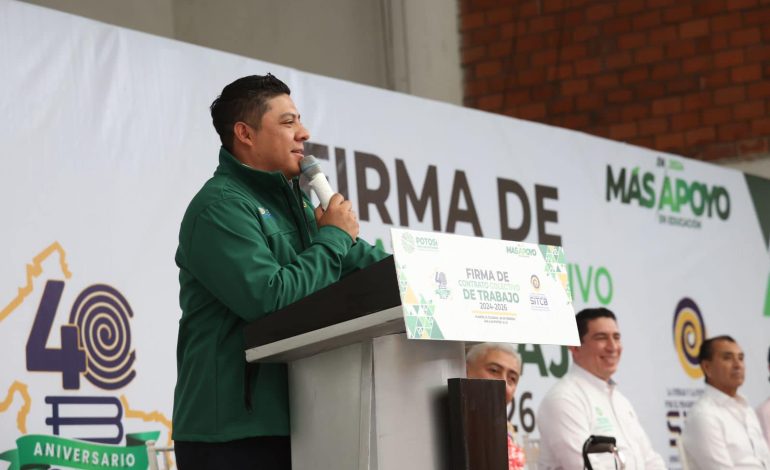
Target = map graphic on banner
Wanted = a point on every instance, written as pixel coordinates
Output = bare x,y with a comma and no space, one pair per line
97,173
94,345
462,288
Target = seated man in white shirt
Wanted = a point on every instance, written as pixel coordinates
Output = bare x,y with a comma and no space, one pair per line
721,430
763,411
586,402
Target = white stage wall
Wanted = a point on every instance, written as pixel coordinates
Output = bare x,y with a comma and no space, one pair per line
106,136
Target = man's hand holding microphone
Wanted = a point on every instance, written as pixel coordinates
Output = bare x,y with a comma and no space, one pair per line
334,209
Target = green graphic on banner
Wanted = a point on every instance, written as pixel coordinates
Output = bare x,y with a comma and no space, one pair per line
418,314
39,451
420,322
554,259
556,266
767,298
759,188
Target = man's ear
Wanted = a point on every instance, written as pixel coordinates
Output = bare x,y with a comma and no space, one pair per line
706,368
243,133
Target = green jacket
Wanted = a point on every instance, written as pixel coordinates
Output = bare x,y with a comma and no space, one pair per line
248,245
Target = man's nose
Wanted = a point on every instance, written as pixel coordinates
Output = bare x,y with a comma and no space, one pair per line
303,134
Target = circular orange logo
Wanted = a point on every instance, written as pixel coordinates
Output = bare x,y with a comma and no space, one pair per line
689,333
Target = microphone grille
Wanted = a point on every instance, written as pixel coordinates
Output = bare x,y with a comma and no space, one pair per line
310,166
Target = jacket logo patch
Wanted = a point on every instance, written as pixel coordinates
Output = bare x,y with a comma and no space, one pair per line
264,212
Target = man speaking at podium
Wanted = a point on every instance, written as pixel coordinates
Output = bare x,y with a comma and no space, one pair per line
250,243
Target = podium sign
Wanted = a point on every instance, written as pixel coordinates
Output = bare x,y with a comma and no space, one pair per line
462,288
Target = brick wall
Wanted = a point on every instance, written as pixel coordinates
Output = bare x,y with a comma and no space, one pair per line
686,76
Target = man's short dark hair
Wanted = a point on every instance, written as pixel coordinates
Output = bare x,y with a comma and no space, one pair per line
706,352
587,314
244,100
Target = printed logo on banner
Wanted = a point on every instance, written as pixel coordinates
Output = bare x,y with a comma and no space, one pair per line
425,243
676,199
522,251
410,243
441,290
407,241
94,343
537,301
689,331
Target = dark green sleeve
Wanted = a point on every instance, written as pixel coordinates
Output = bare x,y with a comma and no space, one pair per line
230,256
361,255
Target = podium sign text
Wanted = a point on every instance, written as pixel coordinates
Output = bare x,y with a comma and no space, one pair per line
474,289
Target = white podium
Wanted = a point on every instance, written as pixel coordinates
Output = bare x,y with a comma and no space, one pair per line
362,396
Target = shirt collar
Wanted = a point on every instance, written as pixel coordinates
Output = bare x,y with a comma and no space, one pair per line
721,398
601,384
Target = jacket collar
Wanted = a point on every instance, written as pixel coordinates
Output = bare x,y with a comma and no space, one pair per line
229,165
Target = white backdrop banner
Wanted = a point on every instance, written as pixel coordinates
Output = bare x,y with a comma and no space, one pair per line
106,136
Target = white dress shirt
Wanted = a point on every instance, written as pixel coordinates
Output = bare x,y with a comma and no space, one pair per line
580,405
763,413
723,432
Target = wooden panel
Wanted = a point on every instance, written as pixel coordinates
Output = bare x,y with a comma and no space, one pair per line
477,425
